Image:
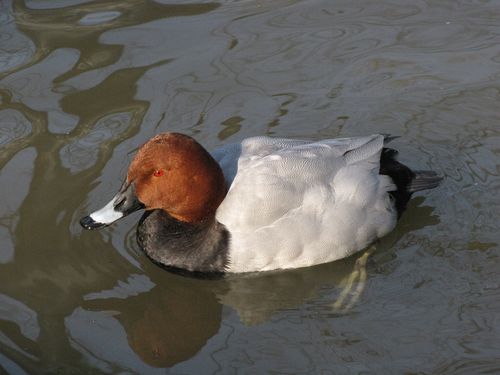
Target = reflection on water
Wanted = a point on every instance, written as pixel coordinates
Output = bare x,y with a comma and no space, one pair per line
164,326
84,83
80,26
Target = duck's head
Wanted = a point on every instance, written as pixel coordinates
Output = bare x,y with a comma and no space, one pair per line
170,172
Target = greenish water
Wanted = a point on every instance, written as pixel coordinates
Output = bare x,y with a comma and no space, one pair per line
84,83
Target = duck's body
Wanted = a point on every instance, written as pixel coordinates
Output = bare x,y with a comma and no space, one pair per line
289,203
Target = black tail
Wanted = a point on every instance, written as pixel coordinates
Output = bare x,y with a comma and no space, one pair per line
424,180
407,181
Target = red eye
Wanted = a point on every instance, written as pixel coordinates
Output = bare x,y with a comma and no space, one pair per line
159,173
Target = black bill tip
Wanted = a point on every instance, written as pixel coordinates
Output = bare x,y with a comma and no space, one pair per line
88,223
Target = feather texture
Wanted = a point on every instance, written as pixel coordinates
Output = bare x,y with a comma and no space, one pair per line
303,202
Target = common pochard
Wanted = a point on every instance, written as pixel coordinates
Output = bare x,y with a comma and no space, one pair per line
262,203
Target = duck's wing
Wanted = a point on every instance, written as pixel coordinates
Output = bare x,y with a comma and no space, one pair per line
269,177
249,154
304,196
234,156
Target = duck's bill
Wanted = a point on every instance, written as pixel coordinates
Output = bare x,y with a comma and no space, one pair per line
124,203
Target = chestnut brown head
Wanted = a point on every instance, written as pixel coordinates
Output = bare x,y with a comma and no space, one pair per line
175,173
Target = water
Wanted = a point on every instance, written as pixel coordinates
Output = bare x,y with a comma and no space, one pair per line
83,84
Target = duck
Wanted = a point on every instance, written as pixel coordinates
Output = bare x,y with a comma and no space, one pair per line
263,203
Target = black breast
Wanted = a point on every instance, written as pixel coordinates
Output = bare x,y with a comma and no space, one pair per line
193,249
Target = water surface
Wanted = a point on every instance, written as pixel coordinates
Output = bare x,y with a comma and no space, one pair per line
84,83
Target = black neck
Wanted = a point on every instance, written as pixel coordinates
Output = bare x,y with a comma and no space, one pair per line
193,249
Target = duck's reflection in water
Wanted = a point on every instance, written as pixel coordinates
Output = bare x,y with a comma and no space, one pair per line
169,323
176,327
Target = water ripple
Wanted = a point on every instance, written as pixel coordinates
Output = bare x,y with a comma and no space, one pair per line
82,154
13,126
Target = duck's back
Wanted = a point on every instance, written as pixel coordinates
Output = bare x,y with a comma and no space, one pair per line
296,203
